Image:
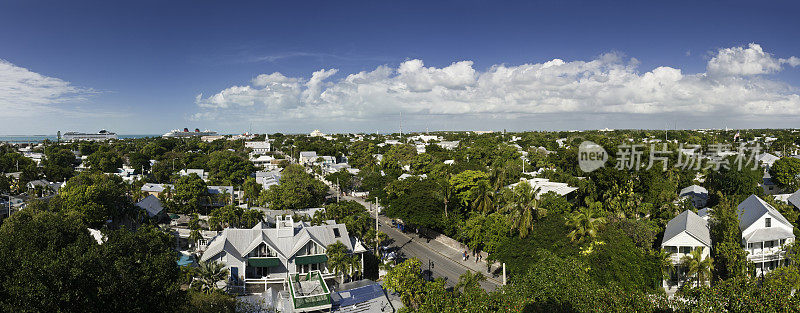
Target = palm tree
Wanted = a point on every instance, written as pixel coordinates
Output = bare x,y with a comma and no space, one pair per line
585,222
209,273
665,261
523,208
483,203
445,193
194,237
251,217
470,281
696,266
498,177
354,264
337,258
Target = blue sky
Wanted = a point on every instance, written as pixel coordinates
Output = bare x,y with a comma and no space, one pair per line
151,66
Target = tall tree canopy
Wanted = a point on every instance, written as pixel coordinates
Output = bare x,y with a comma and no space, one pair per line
58,164
189,195
99,197
466,185
228,168
297,190
50,263
786,173
105,161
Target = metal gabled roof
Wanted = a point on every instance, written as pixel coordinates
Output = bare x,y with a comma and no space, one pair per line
688,222
753,208
794,199
261,239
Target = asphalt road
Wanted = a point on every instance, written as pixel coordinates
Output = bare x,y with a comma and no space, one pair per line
409,245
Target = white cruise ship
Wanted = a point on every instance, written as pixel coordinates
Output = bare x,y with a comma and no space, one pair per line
99,136
176,133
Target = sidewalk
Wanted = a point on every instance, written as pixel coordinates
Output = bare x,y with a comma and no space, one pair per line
448,252
456,256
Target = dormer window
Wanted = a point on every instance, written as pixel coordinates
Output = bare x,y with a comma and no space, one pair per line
262,251
311,248
768,222
336,233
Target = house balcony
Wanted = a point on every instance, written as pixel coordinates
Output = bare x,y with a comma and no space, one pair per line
765,255
676,258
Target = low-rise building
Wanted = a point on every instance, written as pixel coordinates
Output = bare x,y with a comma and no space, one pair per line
199,172
264,256
368,297
794,199
767,159
155,189
769,186
308,157
316,133
764,233
259,147
683,234
697,194
262,161
221,195
544,186
268,178
449,145
325,160
151,205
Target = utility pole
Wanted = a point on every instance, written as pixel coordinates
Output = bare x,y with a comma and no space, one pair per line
376,225
504,273
401,126
338,190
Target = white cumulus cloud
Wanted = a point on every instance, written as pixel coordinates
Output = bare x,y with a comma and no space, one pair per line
747,61
25,93
608,84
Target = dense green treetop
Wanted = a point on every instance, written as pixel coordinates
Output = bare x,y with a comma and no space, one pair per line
97,196
50,263
59,164
297,190
189,194
786,173
105,161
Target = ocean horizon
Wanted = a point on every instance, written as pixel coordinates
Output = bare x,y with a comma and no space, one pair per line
40,138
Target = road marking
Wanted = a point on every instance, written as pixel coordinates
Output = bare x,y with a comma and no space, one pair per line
496,282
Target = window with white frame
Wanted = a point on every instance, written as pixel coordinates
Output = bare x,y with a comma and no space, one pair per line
262,251
767,222
311,248
305,268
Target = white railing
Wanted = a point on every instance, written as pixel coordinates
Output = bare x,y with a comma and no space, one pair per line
271,277
766,255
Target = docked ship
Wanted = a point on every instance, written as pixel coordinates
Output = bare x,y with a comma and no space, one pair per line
102,135
176,133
